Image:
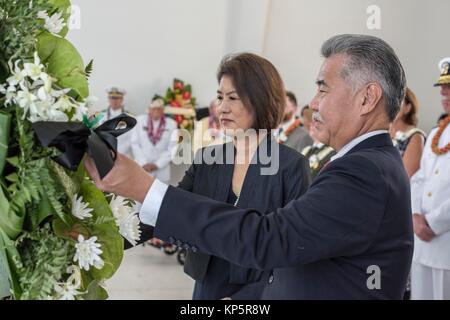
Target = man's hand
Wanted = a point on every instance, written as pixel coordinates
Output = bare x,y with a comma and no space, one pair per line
421,228
150,167
126,178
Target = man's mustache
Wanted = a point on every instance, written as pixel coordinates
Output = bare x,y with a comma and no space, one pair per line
317,117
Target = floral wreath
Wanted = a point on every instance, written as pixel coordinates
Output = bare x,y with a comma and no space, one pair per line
180,104
60,237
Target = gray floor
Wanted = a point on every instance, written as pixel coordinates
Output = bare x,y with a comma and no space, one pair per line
149,274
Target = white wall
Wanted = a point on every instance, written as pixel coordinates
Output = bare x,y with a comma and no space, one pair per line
142,45
246,24
415,29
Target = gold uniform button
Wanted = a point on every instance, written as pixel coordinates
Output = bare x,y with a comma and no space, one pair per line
430,194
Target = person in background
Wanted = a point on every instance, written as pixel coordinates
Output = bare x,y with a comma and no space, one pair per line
207,130
441,119
430,190
153,141
318,154
408,139
116,107
290,132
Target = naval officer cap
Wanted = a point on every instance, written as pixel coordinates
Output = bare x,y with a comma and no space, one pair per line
115,92
444,67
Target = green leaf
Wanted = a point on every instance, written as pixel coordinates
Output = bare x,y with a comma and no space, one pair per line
89,68
107,232
13,177
4,72
5,274
95,291
14,262
64,63
43,211
14,161
5,122
11,222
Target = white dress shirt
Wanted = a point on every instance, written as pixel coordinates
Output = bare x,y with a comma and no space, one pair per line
430,196
155,196
349,146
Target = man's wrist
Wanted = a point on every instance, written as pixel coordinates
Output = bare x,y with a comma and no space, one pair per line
143,187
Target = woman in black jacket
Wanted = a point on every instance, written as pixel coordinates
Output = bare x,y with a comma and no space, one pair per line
251,171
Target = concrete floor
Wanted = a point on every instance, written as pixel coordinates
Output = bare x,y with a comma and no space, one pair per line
149,274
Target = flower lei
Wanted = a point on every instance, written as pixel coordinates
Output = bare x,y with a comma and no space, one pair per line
284,135
437,136
155,137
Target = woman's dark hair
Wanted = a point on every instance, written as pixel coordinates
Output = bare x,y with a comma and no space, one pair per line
411,117
259,86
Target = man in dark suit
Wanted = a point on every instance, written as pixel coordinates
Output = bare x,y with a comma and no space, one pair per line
350,235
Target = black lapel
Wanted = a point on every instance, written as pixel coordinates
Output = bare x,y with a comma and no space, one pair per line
225,174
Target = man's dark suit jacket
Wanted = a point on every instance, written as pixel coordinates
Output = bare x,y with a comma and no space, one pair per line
261,192
355,218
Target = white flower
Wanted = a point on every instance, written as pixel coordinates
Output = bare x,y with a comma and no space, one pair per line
88,253
56,115
9,93
18,75
119,207
42,14
126,219
80,111
34,70
66,292
64,103
129,228
80,209
25,98
44,87
47,82
69,289
53,24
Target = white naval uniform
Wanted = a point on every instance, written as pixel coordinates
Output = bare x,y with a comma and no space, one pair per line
145,152
430,195
124,140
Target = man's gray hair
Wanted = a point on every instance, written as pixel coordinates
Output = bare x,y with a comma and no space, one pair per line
370,59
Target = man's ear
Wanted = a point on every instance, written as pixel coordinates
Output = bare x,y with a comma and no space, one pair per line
372,94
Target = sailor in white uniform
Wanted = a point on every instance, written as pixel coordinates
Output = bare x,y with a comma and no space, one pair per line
116,107
153,141
430,193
